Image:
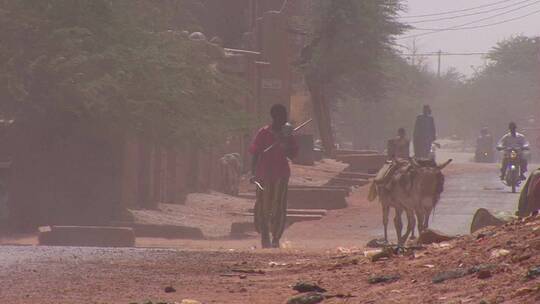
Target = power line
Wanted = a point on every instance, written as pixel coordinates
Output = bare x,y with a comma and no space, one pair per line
457,27
445,54
468,15
456,11
472,27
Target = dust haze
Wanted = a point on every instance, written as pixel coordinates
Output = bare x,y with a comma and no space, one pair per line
269,151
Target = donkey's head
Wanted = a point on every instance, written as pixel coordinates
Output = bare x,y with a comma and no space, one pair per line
428,178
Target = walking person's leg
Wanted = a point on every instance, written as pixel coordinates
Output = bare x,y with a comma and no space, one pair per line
262,213
279,211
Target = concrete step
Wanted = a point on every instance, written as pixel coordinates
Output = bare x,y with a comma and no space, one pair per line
349,182
363,162
239,229
356,152
317,198
356,175
88,236
321,212
163,231
291,218
329,187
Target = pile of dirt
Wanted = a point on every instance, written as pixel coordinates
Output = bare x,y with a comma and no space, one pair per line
494,265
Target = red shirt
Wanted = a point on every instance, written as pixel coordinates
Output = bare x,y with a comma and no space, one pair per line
271,165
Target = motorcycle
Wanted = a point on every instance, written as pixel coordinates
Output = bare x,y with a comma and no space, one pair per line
512,177
483,154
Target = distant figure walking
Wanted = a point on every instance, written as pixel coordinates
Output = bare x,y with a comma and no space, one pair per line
424,133
271,147
230,171
399,147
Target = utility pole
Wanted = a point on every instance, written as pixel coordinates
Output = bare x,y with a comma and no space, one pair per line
439,63
413,60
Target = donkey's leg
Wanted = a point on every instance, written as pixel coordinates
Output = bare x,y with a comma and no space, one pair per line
426,218
414,230
411,225
420,215
398,224
385,211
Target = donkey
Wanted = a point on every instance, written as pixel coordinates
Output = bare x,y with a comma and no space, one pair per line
427,187
390,187
414,188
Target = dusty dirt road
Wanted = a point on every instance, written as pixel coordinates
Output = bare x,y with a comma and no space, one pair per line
235,271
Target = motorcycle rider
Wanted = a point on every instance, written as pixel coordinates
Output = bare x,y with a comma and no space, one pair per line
484,144
514,140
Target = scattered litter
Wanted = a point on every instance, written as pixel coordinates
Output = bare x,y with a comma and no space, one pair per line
449,275
343,250
189,301
307,298
286,245
521,258
370,253
429,266
418,255
378,254
523,291
308,287
533,272
275,264
169,289
484,274
443,245
497,253
249,271
377,243
384,279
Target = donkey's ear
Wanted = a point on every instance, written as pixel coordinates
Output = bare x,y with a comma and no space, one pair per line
442,166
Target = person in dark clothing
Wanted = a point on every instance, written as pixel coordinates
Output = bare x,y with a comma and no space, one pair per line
424,133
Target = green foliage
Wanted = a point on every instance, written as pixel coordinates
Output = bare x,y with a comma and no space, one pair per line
506,89
111,64
349,41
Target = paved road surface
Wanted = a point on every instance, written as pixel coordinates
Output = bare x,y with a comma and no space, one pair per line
474,186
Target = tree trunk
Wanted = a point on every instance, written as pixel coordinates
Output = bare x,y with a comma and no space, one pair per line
322,115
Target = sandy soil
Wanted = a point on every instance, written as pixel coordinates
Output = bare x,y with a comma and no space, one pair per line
329,251
97,275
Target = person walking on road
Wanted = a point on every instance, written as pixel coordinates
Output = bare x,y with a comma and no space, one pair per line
271,148
424,133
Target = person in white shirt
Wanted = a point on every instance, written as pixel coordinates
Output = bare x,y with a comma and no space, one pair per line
513,140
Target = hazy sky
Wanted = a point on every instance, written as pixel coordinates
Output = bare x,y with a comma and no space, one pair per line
474,40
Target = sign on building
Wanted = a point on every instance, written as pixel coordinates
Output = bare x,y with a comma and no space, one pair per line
272,84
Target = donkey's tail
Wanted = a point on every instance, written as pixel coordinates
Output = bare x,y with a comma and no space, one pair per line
373,193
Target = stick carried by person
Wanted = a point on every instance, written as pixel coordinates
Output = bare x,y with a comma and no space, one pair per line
288,133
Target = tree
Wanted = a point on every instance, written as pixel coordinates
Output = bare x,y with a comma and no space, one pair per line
348,43
508,87
116,67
